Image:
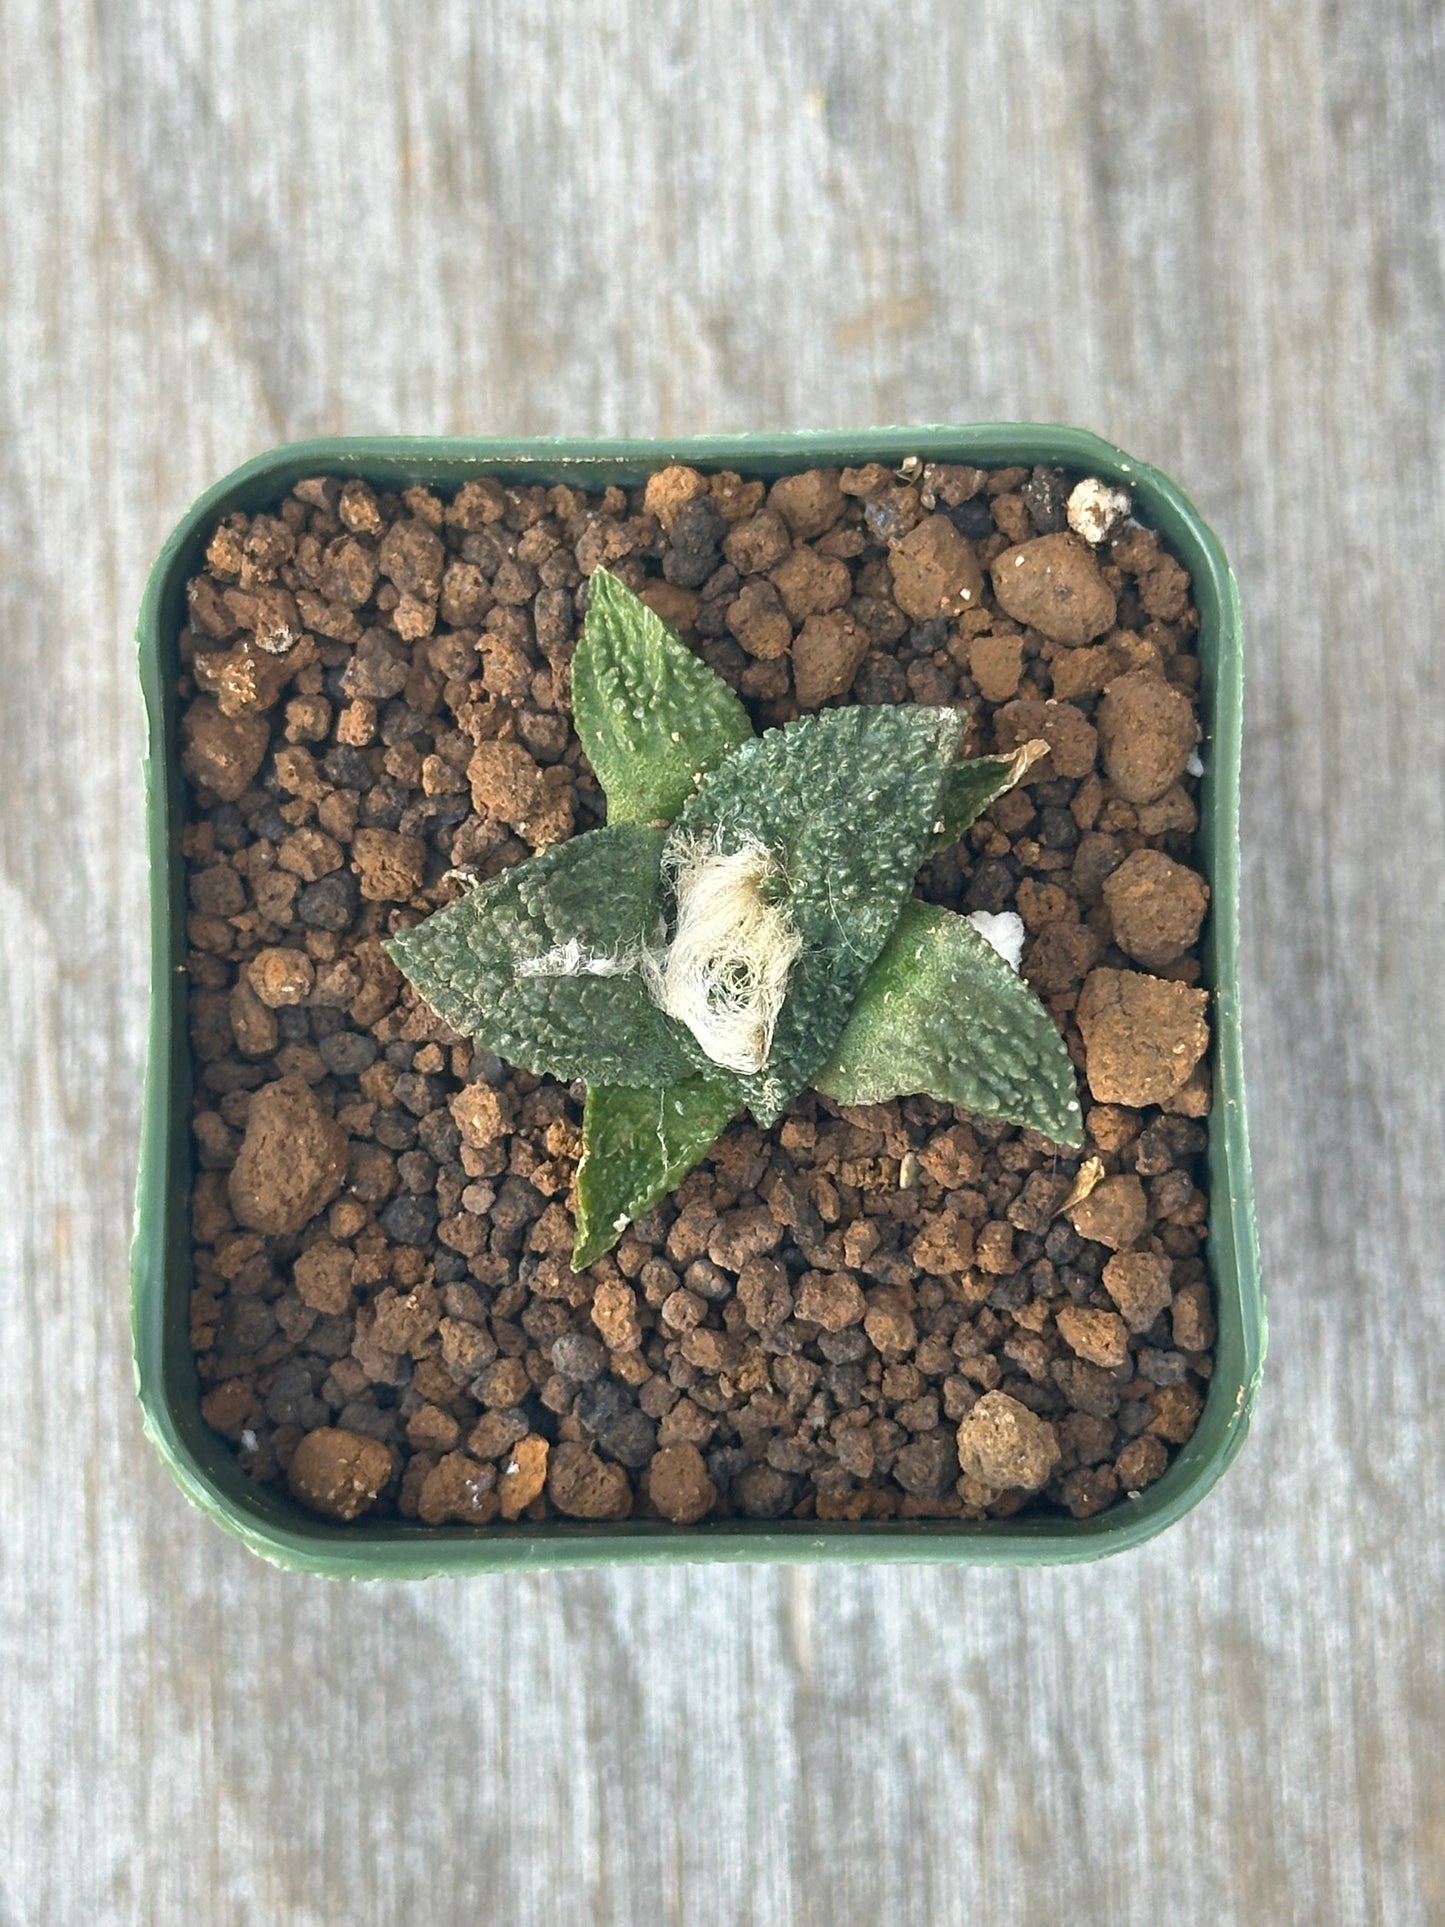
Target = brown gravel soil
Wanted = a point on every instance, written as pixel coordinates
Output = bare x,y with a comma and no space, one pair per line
896,1312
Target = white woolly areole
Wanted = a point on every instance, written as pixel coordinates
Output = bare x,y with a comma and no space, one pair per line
1005,932
1096,511
725,973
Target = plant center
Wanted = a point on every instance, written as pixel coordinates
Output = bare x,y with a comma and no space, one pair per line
725,973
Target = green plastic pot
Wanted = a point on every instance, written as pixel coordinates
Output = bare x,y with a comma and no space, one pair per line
280,1530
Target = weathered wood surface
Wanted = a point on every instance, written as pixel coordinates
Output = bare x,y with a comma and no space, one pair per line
1213,233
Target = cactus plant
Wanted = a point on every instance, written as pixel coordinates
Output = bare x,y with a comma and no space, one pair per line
743,928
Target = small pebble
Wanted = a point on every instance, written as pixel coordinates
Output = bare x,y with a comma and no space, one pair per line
1147,731
291,1161
1004,1445
338,1473
1142,1035
1053,584
523,1476
1138,1283
1156,907
583,1486
678,1484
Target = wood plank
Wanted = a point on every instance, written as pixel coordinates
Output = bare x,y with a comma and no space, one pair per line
1212,234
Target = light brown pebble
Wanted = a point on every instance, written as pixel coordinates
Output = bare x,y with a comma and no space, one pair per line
358,508
757,620
1142,1035
430,1429
1054,585
503,1385
711,1351
412,556
1113,1214
400,1321
1172,811
1005,1446
481,1114
993,1249
252,1024
935,572
677,607
678,1484
523,1475
810,503
1156,907
757,544
1193,1318
390,866
291,1162
765,1293
505,781
338,1473
1086,670
1072,739
586,1487
889,1325
671,489
827,654
1138,1283
495,1433
682,1310
810,584
281,977
458,1490
356,725
1146,732
996,663
944,1246
1099,1336
466,1348
221,753
830,1299
614,1313
322,1275
1175,1412
309,854
1140,1463
230,1407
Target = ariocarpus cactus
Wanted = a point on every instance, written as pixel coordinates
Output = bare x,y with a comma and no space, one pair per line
744,927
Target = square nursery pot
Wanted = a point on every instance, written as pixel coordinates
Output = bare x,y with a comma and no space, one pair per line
279,1529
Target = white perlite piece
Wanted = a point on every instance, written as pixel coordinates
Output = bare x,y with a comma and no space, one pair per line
1096,512
725,973
1005,932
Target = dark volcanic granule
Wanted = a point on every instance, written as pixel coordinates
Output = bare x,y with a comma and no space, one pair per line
892,1312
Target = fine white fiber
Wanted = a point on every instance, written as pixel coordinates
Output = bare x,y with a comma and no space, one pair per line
571,960
725,973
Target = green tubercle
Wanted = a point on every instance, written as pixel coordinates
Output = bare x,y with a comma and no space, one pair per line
942,1013
651,716
636,1146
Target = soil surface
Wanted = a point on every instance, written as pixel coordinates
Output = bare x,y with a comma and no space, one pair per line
893,1312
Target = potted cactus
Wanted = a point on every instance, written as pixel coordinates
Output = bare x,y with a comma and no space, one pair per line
621,1126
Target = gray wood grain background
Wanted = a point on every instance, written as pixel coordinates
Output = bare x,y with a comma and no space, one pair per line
1213,233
